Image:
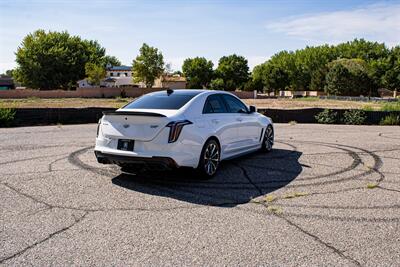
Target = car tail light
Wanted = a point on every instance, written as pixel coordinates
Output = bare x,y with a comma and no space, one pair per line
175,129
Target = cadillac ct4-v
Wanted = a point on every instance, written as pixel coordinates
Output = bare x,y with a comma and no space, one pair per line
181,128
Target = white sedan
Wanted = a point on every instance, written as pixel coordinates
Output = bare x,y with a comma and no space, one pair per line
181,128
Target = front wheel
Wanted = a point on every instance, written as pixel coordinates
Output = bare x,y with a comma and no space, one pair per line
209,159
268,140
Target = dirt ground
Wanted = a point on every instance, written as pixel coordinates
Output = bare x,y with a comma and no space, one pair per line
119,102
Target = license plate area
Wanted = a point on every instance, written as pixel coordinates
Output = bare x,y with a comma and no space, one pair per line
126,144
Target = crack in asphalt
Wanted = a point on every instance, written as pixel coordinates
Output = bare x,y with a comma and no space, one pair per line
319,240
315,237
73,158
51,235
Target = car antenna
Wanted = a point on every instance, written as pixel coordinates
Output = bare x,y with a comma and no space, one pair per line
169,91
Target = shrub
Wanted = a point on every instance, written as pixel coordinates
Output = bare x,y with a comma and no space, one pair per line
391,119
355,117
327,117
6,116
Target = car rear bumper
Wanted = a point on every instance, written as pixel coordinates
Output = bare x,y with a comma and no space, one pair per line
156,163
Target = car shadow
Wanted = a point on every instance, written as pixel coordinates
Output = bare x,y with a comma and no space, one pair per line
237,181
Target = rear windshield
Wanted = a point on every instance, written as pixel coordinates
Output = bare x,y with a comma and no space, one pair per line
161,100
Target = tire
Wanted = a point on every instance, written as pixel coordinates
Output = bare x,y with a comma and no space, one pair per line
268,140
209,159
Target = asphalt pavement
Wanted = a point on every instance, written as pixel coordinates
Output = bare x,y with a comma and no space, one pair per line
327,195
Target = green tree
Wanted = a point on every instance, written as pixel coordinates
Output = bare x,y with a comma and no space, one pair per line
7,73
217,84
234,72
349,77
49,60
391,76
198,71
94,73
110,60
148,65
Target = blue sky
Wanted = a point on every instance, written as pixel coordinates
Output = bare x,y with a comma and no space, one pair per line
209,28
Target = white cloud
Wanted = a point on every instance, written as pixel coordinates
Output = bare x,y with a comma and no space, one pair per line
375,22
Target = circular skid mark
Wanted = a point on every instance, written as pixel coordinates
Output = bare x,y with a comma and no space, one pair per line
173,185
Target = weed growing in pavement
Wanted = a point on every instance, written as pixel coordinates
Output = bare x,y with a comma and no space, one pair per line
275,209
295,194
292,122
270,198
372,185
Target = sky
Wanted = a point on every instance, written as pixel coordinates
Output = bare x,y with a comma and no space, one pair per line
255,29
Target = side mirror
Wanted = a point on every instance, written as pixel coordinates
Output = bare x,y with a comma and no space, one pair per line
253,109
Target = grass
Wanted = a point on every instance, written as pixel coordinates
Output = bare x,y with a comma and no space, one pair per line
280,103
275,209
372,185
270,198
391,106
368,107
295,194
307,98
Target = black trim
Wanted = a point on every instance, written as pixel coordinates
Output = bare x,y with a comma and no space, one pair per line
163,163
133,113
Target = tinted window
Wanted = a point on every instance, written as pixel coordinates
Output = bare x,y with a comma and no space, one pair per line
214,104
161,100
234,104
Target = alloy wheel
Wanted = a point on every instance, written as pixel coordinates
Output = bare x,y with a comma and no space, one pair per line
269,138
211,158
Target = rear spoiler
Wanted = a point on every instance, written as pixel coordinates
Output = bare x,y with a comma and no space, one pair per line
133,113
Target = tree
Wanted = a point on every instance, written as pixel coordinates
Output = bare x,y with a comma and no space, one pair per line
349,77
217,84
391,76
234,72
110,60
148,65
49,60
198,71
94,73
8,73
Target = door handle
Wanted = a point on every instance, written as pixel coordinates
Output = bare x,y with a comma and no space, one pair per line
215,121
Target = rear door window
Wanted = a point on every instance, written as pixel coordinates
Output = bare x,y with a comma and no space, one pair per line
214,104
234,105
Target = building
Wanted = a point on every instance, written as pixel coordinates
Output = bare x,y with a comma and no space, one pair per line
170,81
84,83
119,71
6,83
121,76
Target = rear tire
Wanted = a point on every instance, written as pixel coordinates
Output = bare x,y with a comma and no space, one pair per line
268,140
209,159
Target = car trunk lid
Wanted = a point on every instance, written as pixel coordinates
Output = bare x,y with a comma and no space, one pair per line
136,125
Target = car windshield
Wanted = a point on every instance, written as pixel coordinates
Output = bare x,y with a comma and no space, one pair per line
162,100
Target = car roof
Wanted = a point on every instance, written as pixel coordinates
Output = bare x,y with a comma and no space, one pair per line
193,92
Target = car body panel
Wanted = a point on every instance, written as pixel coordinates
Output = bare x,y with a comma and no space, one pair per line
237,133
